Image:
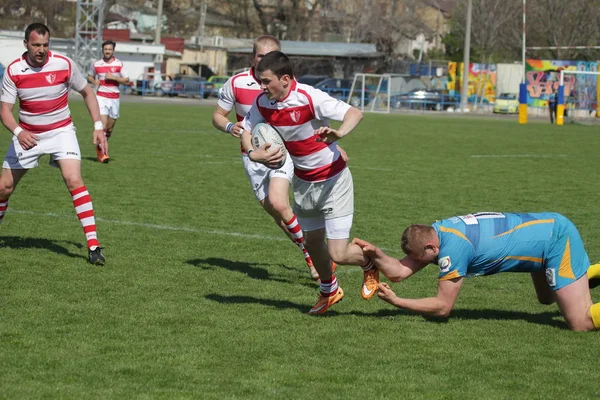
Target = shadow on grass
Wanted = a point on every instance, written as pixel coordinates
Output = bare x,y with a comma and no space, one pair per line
548,318
16,242
544,318
250,269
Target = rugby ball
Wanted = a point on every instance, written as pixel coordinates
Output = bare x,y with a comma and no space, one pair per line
264,133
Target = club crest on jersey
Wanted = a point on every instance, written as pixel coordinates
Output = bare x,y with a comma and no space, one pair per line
295,115
114,69
445,263
51,78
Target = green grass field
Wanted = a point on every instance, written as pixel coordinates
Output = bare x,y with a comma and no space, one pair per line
202,296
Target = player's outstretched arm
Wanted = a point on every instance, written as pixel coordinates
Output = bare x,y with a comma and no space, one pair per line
394,269
329,135
439,306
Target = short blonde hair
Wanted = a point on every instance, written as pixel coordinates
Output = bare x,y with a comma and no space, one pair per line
265,40
415,238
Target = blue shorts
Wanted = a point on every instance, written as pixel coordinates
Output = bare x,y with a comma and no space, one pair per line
566,260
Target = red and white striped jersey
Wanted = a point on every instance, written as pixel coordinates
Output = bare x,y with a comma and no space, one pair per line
43,92
108,88
303,111
239,91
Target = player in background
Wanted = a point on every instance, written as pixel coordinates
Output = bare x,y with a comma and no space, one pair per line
323,186
106,74
271,187
547,245
41,81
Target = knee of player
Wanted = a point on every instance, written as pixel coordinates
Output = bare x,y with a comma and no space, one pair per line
279,206
6,190
73,181
581,325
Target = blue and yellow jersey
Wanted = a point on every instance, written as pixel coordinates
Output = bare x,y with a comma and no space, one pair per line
489,242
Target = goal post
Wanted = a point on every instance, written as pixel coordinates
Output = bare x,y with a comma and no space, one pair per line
374,92
586,87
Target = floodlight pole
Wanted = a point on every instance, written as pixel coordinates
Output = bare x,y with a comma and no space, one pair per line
158,58
89,23
465,78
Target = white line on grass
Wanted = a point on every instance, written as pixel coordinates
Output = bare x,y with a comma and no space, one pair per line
162,227
519,156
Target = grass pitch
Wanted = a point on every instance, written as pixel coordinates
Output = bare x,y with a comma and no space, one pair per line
203,297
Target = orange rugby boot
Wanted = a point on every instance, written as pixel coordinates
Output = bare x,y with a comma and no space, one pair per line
325,302
370,282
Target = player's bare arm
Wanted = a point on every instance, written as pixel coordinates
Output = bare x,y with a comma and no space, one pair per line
26,139
439,306
92,79
220,120
351,119
89,97
123,80
394,269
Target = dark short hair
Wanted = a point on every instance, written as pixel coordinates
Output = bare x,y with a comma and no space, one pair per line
277,62
109,42
38,27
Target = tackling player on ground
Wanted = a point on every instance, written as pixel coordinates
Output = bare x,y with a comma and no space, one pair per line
547,245
41,81
106,74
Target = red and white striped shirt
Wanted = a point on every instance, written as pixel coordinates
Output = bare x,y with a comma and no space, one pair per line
43,92
239,91
303,111
108,88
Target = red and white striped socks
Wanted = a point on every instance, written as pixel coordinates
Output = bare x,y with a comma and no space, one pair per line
329,288
295,230
3,207
85,212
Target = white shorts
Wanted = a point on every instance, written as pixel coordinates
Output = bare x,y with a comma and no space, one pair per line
328,204
60,144
108,106
259,175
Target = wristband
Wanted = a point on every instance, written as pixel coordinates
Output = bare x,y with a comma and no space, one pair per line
98,126
17,130
228,127
248,153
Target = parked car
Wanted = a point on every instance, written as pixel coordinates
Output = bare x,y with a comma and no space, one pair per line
429,99
217,82
311,80
184,85
507,103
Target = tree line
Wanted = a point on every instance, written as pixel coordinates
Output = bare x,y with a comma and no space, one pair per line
496,30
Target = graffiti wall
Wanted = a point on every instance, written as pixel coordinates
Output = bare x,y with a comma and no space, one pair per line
482,80
543,76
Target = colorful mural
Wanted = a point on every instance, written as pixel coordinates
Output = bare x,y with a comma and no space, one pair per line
544,75
482,80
